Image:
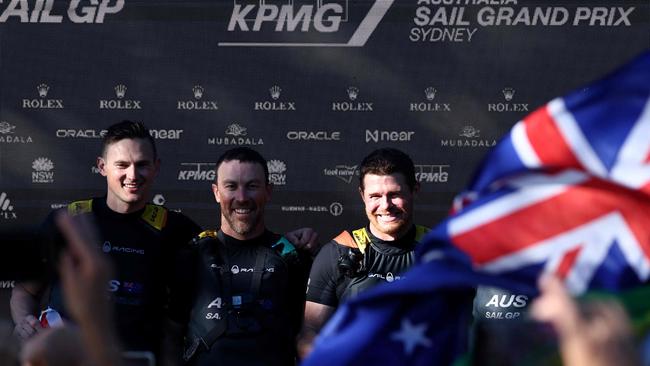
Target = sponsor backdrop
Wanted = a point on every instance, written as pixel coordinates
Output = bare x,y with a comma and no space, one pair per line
312,84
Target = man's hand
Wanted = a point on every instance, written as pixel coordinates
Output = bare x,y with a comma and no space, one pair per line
305,239
27,327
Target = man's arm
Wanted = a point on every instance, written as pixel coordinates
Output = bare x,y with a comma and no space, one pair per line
316,315
25,303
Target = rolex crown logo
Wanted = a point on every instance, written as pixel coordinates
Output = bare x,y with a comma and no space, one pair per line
42,90
508,93
430,93
197,90
120,90
275,92
353,92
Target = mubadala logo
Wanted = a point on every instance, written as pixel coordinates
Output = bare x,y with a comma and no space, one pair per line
43,170
166,134
42,11
80,133
343,172
314,136
277,168
239,137
42,102
352,105
255,20
197,104
7,135
120,103
197,172
431,173
274,104
429,105
391,136
508,96
471,139
6,208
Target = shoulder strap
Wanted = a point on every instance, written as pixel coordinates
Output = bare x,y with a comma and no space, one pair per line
155,216
80,207
358,239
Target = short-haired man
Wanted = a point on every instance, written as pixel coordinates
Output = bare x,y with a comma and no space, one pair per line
376,253
250,287
141,240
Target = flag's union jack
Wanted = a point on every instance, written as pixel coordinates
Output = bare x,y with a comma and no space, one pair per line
568,190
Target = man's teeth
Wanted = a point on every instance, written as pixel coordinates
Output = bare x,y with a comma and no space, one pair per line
131,185
242,210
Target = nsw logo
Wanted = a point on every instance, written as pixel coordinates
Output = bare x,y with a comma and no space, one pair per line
43,170
277,169
315,23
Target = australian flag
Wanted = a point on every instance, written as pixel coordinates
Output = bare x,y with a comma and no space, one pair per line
567,192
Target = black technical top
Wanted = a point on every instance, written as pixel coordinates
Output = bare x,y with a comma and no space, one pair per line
248,302
143,286
384,262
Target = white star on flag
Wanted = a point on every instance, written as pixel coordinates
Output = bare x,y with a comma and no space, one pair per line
411,335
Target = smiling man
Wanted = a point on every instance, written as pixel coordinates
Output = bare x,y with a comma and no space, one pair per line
379,252
140,239
249,292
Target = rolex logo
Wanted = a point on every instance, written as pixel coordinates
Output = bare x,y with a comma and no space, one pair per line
197,90
508,93
430,93
120,90
42,90
275,92
353,93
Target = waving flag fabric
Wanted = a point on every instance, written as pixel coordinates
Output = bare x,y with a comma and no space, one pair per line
566,192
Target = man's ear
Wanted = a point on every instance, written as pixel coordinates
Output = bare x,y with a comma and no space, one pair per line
215,192
101,165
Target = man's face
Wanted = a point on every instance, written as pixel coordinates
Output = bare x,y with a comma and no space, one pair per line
130,167
389,205
242,192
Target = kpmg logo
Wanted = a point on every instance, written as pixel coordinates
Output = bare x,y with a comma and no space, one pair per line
235,135
506,106
197,104
43,170
343,172
428,105
120,103
257,23
352,105
431,173
314,136
277,169
388,136
196,172
7,135
469,136
93,11
275,104
42,102
80,133
6,209
166,134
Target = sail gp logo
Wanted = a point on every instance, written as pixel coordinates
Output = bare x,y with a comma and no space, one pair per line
265,25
